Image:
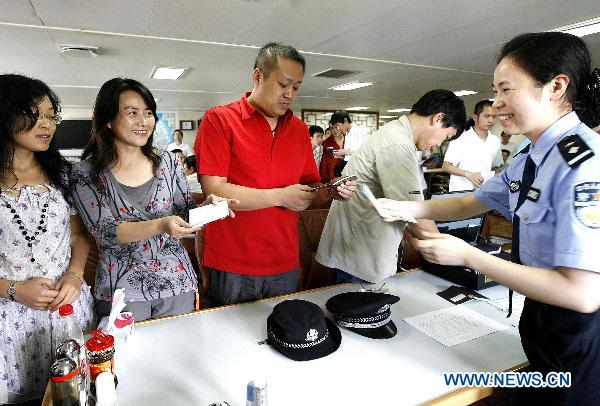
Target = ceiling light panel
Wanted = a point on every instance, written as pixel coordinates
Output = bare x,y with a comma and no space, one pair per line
398,110
351,86
582,28
358,108
464,92
167,72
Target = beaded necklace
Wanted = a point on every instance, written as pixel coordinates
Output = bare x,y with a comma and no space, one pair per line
41,228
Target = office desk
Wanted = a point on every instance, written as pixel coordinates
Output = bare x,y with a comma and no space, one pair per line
209,356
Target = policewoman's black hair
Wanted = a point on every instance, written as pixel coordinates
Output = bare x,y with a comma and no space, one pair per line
544,55
19,97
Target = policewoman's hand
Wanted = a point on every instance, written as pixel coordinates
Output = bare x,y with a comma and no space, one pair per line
443,249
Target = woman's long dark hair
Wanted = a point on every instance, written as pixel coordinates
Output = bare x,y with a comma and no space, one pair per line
544,55
19,100
101,147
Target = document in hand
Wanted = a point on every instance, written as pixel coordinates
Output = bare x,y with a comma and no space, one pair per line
211,212
380,210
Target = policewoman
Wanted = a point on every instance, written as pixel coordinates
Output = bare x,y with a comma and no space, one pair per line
552,194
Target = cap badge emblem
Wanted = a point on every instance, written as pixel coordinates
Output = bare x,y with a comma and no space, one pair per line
383,309
312,335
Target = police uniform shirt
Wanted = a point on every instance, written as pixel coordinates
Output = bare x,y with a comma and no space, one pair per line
560,217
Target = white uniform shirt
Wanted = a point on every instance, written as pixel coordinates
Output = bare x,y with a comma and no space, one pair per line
354,139
185,148
471,153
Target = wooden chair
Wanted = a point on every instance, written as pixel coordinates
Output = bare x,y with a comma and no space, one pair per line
310,227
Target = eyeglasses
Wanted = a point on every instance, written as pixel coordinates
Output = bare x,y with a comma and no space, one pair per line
54,118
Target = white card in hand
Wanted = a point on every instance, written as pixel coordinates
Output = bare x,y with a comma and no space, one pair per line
367,192
211,212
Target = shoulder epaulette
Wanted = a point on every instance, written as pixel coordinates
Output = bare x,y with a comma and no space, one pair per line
574,150
523,151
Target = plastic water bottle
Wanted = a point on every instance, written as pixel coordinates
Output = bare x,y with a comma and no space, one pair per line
66,329
256,392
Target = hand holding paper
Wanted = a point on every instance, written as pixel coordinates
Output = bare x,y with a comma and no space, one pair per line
203,215
387,215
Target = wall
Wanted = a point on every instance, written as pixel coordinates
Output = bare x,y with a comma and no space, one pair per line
189,136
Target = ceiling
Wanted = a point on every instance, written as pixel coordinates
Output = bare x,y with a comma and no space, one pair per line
405,47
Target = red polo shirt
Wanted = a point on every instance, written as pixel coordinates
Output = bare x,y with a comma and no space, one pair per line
235,141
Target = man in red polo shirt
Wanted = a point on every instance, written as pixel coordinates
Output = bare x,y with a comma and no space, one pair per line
255,150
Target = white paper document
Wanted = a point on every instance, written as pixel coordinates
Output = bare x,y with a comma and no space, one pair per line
454,325
487,175
211,212
502,305
380,210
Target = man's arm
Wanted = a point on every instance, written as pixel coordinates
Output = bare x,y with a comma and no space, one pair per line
475,177
294,197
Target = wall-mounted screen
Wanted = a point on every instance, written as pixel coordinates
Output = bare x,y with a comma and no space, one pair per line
73,134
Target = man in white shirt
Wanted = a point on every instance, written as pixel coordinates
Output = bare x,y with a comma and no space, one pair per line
178,144
471,159
316,139
507,145
354,136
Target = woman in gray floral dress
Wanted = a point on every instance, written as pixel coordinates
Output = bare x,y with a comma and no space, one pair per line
135,201
43,247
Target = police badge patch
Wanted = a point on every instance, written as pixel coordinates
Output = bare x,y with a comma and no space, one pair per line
586,204
514,186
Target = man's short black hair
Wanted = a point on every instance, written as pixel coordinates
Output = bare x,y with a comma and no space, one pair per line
266,60
442,101
339,116
178,131
313,129
190,162
176,150
481,104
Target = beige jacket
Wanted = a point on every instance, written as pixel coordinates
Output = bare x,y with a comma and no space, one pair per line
355,238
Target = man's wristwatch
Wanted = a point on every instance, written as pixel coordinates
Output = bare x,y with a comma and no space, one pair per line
11,291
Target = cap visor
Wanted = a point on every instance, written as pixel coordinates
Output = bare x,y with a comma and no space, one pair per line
386,331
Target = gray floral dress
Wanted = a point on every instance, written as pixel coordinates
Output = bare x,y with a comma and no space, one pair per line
25,333
153,268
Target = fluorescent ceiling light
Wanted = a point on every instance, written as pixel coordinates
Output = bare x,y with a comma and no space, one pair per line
398,110
165,72
582,28
464,92
388,116
351,86
325,115
358,108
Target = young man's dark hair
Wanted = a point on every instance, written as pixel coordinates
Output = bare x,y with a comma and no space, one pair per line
190,162
469,123
481,104
339,116
266,60
313,129
176,151
443,101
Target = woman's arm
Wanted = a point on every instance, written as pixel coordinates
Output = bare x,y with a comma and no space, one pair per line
570,288
437,209
69,285
36,293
